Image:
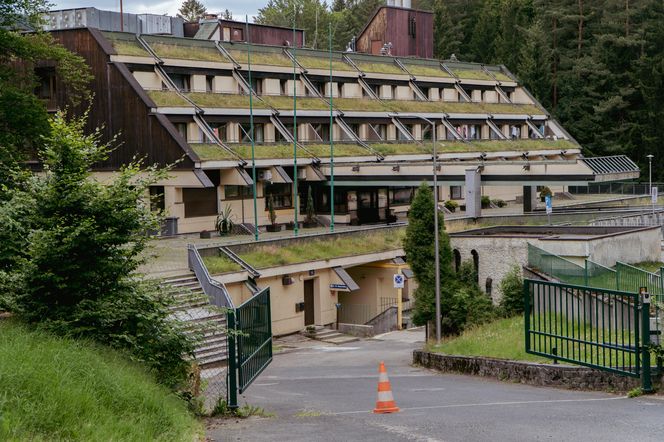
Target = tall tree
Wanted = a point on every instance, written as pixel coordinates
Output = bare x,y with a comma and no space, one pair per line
192,10
420,254
23,116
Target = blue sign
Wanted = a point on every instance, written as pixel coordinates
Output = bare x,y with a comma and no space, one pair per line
338,286
549,204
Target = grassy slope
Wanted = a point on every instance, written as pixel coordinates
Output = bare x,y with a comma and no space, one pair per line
263,256
499,339
60,389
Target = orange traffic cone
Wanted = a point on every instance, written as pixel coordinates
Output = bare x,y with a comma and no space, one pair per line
385,402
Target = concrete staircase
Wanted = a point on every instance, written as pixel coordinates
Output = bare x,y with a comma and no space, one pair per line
328,335
202,320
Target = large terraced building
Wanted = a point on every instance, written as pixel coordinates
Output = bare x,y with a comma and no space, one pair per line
186,101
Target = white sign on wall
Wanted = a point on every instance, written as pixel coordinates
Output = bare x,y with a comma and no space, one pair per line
398,281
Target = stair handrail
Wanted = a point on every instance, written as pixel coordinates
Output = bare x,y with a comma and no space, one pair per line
215,291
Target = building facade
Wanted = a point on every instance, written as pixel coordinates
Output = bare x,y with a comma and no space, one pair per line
188,102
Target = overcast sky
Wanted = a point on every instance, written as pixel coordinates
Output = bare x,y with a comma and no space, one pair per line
238,7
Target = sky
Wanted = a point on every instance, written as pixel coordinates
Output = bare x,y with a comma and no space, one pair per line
238,7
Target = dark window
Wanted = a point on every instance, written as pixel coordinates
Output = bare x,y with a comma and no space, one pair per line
488,286
426,132
182,129
323,197
377,132
45,89
157,198
199,202
209,80
282,195
412,26
455,192
457,260
237,192
402,136
181,81
245,131
401,196
219,130
476,263
237,34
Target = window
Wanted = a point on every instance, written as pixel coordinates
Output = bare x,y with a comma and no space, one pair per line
237,34
182,129
281,193
426,132
181,81
455,192
245,130
219,130
340,201
402,136
377,132
257,86
412,26
45,89
209,81
157,198
199,202
401,196
237,192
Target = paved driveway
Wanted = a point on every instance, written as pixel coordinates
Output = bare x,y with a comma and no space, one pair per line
325,393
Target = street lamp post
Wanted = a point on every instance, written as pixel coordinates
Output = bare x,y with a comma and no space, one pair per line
650,157
436,245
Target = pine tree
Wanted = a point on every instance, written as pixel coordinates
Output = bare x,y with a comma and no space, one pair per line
192,10
420,253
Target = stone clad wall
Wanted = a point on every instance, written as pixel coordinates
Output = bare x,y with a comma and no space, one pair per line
546,375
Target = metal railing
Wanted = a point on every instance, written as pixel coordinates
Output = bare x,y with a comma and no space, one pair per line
623,188
556,266
594,327
214,290
632,278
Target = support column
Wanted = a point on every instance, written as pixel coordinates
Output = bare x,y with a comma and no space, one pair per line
473,193
529,198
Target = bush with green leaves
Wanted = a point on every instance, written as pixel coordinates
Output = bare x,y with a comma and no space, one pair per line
451,205
467,275
73,248
511,288
486,202
498,202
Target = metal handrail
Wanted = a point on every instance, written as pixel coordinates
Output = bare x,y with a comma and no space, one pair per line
214,290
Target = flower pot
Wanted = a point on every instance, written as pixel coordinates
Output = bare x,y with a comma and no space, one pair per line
206,234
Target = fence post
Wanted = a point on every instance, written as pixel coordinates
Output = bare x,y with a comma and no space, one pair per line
232,362
646,383
585,273
526,314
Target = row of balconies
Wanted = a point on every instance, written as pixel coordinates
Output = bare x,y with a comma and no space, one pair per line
280,87
233,132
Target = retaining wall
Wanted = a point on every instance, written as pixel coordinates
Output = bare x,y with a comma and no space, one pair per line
546,375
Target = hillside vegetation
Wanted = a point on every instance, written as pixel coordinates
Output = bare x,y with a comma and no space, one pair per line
55,388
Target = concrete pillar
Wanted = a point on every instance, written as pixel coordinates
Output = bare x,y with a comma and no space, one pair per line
269,132
529,198
473,193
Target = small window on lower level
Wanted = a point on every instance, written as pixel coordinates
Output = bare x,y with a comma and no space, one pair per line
199,202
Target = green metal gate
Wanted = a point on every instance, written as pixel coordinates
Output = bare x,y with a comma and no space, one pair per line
599,328
249,343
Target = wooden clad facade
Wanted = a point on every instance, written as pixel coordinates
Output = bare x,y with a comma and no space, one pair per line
121,107
410,31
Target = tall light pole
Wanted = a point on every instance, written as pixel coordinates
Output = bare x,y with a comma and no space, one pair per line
436,245
650,157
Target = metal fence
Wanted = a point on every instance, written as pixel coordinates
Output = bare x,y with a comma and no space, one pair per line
249,343
594,327
623,188
632,278
364,313
556,266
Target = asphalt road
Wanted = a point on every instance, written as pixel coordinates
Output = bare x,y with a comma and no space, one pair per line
324,393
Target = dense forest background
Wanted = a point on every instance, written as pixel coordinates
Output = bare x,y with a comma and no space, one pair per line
597,65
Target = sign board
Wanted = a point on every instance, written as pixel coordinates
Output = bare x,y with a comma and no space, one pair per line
549,204
398,281
653,194
338,287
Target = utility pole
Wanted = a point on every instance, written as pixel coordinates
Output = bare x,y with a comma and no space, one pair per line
652,194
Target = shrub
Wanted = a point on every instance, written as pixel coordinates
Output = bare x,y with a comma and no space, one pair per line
467,275
544,192
486,202
467,307
511,288
498,202
451,205
73,267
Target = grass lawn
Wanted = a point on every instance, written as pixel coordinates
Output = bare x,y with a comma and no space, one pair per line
126,47
168,99
499,339
323,63
426,71
261,58
189,52
263,256
650,266
380,68
235,101
472,74
60,389
303,103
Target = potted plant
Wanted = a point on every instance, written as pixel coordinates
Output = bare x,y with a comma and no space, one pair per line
451,205
205,234
544,192
310,220
498,202
272,215
224,223
486,202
